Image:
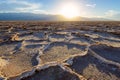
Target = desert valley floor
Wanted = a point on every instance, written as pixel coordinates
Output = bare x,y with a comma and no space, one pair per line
59,50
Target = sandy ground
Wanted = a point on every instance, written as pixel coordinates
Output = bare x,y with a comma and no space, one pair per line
65,54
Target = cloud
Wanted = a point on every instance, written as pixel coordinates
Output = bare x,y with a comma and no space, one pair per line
113,14
20,6
91,5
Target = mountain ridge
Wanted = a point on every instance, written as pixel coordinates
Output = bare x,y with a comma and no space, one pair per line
43,17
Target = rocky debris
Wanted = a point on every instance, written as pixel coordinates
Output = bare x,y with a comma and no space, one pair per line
10,29
9,37
15,37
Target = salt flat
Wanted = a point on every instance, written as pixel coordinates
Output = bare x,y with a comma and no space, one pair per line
53,52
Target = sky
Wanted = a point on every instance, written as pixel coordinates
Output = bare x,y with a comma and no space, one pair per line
109,9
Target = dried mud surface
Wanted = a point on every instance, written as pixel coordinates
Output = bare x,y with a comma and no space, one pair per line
59,50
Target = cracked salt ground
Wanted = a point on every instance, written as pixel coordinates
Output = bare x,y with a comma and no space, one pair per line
106,35
36,53
3,63
91,68
18,63
57,37
108,52
60,73
32,35
91,37
7,48
21,60
59,51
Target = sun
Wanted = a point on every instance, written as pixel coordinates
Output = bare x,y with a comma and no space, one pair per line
69,10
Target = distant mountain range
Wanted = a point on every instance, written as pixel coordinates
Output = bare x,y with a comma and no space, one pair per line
43,17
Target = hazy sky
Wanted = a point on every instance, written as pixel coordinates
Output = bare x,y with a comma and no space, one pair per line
87,8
